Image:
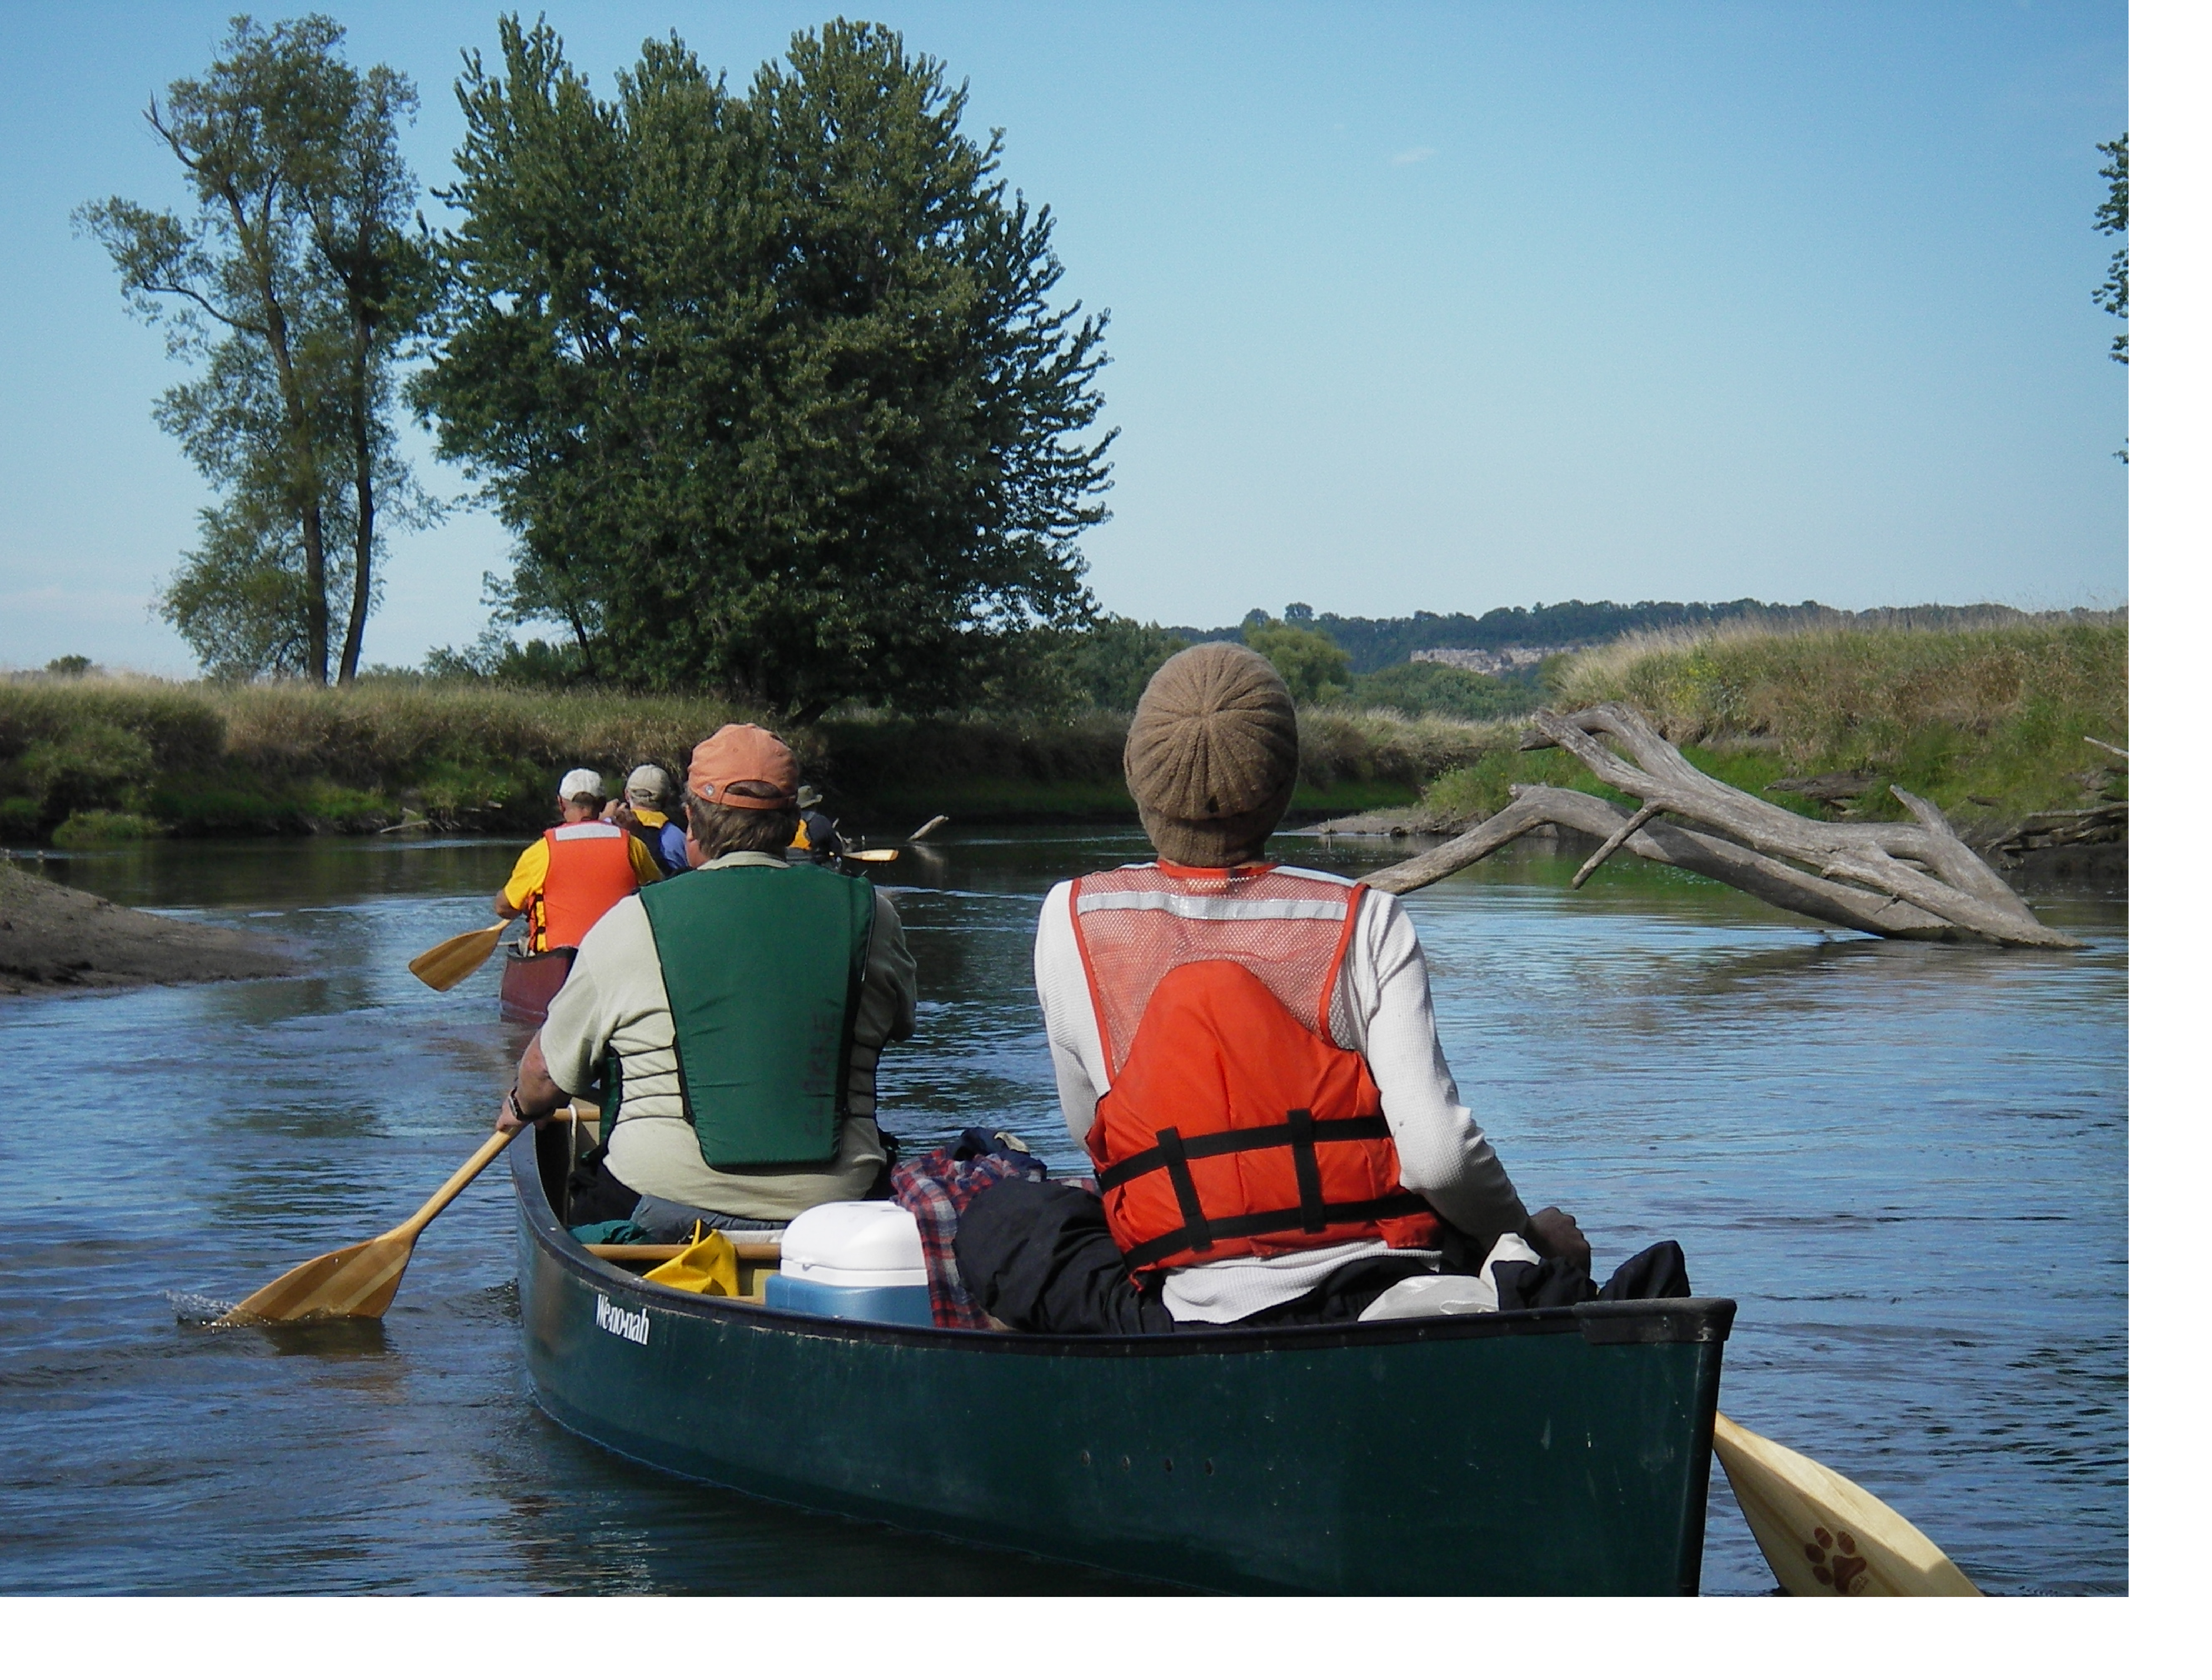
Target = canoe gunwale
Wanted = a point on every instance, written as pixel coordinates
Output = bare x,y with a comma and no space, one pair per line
1687,1319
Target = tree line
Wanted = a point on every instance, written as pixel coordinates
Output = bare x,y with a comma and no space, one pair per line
769,385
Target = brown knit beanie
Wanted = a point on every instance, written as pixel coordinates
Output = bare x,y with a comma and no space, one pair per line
1213,755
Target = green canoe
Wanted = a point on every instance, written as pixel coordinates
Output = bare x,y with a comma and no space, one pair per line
1555,1452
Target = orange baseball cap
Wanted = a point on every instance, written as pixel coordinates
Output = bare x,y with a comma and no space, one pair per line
743,765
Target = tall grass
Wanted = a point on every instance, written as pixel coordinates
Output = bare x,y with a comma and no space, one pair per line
119,756
1988,721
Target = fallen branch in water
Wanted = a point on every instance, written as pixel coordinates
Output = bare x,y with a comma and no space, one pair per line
2098,826
1901,881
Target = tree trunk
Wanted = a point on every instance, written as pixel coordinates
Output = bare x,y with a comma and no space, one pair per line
1901,881
318,598
306,467
364,492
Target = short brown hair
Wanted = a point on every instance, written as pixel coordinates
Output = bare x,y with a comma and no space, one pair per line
720,828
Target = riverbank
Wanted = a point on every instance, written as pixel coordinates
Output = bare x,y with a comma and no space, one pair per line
85,760
54,938
2018,733
1996,724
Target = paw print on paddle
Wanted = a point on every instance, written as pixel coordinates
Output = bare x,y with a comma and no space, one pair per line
1836,1561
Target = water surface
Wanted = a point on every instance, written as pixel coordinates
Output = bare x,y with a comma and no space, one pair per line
1907,1163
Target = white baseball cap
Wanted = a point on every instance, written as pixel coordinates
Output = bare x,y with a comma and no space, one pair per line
583,784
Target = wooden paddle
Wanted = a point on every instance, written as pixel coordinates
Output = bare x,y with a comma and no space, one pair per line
758,1252
880,854
1821,1532
443,967
359,1282
1827,1536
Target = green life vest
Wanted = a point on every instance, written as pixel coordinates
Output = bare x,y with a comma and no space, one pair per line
763,969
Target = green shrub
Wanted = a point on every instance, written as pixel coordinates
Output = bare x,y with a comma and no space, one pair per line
105,828
1442,690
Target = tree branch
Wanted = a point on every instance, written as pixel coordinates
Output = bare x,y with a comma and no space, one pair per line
1962,895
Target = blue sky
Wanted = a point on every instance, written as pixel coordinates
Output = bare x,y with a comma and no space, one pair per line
1442,307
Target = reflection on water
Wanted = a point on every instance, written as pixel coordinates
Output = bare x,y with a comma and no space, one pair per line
1908,1164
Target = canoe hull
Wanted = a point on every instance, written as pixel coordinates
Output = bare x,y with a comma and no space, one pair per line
1560,1452
526,989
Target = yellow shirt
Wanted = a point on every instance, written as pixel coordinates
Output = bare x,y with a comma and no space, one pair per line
526,885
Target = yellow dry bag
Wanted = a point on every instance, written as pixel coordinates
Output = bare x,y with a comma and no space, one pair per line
707,1266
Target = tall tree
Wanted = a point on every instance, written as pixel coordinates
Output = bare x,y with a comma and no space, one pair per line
769,387
358,195
2112,218
1316,671
295,281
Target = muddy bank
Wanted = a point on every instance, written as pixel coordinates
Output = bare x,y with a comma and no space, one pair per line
54,938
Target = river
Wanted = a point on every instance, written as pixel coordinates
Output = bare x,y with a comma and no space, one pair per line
1907,1163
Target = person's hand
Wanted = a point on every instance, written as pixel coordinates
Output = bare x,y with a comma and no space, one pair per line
1555,1234
508,1120
618,812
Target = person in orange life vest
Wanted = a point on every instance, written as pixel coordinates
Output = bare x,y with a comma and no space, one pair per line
573,874
1249,1055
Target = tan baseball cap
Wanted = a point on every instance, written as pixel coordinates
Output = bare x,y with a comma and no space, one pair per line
648,784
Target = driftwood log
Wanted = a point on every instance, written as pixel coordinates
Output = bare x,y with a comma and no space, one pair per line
1902,880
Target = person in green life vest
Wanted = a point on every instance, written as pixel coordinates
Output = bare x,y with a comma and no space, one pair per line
732,1017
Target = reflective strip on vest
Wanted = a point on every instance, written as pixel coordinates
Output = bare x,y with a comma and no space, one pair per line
587,874
1134,924
1234,1124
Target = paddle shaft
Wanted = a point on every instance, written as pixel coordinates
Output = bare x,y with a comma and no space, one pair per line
454,1186
759,1253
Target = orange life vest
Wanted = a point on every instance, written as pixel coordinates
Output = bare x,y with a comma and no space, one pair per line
1234,1124
587,874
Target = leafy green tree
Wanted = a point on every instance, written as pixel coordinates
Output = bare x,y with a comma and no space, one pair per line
295,281
497,657
1112,660
2112,218
1102,665
769,388
1428,690
1317,671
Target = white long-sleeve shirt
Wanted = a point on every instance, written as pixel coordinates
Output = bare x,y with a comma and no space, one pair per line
1381,1008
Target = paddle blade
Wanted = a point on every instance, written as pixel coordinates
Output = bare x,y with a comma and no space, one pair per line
1824,1536
879,854
356,1282
443,967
